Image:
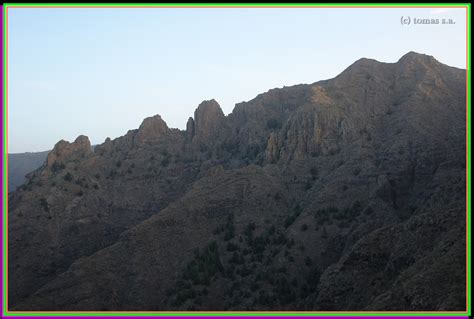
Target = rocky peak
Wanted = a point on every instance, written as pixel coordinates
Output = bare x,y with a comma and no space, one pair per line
151,129
361,71
414,57
64,151
365,69
190,128
104,147
422,71
82,143
207,119
417,65
363,63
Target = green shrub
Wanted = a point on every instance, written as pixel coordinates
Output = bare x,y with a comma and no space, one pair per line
258,244
254,286
112,173
165,161
291,218
264,299
44,204
297,209
280,239
236,259
294,282
271,231
245,271
324,233
248,232
229,231
232,247
68,177
204,266
290,243
57,167
184,295
356,207
313,279
283,290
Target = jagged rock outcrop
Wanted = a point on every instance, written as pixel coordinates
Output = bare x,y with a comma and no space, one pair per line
346,194
151,129
208,119
64,151
190,129
272,150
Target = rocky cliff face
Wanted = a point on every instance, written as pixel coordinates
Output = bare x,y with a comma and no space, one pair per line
151,130
208,119
345,194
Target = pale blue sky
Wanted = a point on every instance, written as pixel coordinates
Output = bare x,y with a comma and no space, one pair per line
99,72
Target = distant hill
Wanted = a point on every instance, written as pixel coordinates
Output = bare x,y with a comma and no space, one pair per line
20,164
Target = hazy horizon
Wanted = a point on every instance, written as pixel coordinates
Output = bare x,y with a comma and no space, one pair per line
100,72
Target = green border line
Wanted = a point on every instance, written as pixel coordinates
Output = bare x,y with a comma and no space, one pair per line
4,166
468,160
255,6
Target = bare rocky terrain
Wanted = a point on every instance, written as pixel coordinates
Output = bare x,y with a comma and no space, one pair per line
344,194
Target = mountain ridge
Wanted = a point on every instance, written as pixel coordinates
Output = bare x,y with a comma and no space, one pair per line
410,57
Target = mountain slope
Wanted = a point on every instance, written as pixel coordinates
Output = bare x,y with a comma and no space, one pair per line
345,194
